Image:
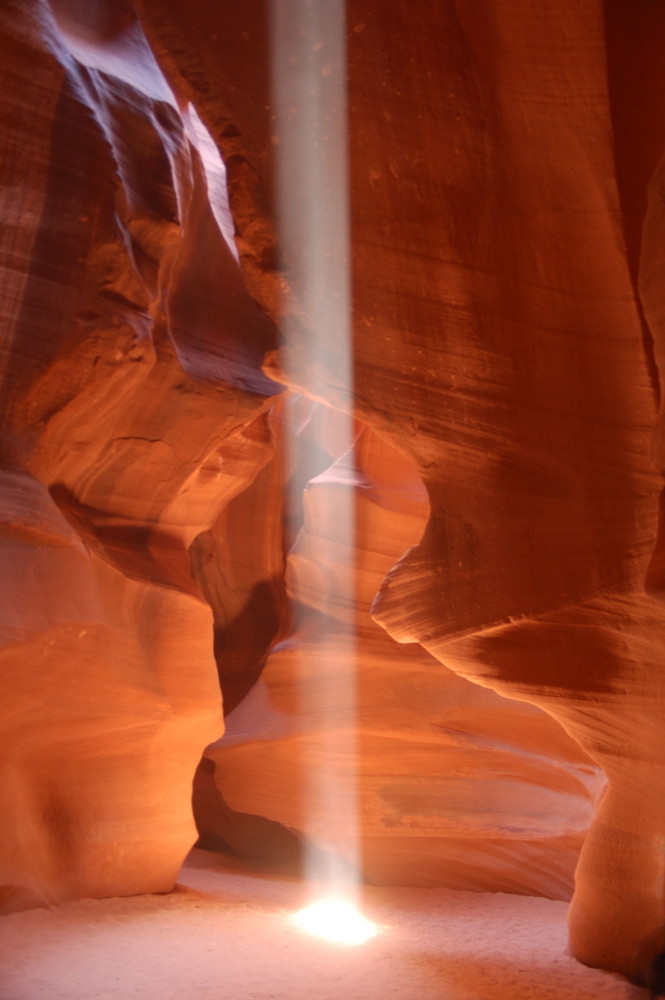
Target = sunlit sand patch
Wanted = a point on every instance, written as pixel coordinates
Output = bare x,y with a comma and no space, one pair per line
336,920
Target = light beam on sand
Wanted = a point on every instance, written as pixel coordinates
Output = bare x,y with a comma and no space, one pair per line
308,39
336,920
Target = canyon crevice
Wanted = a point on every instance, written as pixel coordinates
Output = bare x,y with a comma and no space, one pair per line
170,480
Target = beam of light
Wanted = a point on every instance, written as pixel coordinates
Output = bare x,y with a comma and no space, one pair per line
336,920
310,143
308,54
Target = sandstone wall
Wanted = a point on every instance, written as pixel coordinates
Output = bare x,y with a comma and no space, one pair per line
506,229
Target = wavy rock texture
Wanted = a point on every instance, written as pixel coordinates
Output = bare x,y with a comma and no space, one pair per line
507,328
107,694
127,428
500,159
455,785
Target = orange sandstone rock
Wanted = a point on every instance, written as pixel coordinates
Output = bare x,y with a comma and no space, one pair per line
126,428
507,337
375,753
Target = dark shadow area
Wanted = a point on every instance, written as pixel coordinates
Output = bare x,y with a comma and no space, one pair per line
635,45
241,646
123,543
253,838
257,840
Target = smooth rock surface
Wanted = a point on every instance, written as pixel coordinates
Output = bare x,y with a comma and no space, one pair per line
500,160
126,429
372,751
506,271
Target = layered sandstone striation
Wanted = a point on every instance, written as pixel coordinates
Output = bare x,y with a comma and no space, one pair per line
121,443
500,160
506,229
370,751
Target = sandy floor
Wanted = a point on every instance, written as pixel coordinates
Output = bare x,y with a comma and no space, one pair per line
226,932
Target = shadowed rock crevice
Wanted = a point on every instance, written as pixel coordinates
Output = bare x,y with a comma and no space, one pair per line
506,483
440,765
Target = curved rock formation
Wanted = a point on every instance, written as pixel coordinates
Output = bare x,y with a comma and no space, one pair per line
507,337
455,785
498,181
107,695
131,382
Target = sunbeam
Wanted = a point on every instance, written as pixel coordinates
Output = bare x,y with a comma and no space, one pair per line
309,88
336,920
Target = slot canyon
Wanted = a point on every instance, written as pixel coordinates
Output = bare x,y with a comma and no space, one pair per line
391,534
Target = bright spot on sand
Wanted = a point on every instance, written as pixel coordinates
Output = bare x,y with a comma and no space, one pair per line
336,920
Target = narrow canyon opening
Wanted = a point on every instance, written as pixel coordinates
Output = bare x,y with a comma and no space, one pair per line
330,472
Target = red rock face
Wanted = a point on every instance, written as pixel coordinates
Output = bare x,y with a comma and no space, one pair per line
120,445
447,782
507,337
